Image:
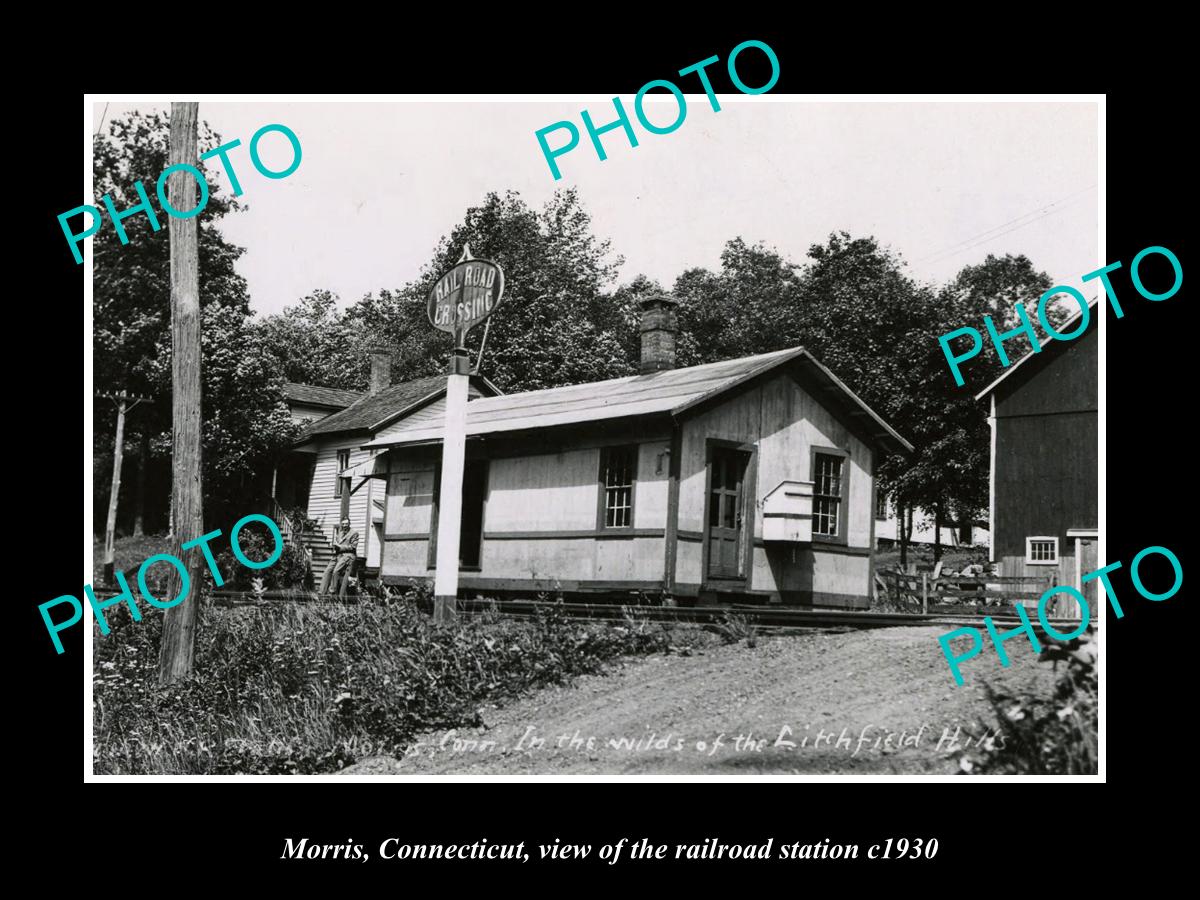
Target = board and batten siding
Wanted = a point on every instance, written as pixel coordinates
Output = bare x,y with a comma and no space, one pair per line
1047,458
324,505
540,518
784,423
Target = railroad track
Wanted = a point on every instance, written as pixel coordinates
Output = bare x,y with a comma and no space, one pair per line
773,618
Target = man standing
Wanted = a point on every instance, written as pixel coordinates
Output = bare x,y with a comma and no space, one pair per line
345,549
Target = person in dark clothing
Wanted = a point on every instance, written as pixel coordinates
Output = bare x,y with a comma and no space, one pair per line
345,550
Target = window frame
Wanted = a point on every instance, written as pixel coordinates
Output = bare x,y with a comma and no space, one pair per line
843,498
881,499
1042,538
338,478
602,500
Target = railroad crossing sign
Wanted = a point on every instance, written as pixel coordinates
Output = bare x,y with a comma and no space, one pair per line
465,296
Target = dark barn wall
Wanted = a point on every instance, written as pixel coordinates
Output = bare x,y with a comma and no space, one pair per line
1046,454
1063,380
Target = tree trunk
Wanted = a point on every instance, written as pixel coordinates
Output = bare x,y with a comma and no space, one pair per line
110,527
904,536
179,621
139,497
937,531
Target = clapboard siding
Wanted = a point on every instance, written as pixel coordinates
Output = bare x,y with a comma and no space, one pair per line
302,412
324,505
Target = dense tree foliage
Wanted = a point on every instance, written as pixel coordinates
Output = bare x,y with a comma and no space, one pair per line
244,418
851,302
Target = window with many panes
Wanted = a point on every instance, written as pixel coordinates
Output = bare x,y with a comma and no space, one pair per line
618,473
881,505
829,485
1041,551
343,463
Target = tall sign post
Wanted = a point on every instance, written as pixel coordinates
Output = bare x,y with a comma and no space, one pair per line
460,300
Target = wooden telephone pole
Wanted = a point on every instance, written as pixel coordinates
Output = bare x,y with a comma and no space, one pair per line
179,622
110,527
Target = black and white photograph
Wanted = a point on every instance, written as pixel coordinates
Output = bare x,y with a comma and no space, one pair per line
702,434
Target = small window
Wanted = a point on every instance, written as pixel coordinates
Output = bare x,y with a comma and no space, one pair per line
1041,551
881,506
618,473
828,493
343,463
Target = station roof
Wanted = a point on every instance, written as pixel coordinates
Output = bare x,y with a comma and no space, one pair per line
673,391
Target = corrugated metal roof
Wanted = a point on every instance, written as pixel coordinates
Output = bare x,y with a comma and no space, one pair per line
319,396
672,391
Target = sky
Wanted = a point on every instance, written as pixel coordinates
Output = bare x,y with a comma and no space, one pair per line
941,183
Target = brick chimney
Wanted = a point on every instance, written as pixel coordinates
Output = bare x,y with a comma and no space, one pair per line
658,329
381,370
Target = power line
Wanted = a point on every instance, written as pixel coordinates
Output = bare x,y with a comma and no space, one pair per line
984,236
102,115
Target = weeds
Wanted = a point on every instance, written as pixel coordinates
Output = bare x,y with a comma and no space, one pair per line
309,688
1055,736
735,627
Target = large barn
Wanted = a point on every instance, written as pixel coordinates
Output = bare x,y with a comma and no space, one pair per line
751,478
1045,462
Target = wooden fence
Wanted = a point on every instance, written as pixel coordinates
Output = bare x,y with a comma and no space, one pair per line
982,594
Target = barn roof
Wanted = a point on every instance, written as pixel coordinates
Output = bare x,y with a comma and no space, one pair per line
673,391
1050,341
373,411
315,395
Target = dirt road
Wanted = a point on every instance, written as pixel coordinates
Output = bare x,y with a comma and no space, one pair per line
818,703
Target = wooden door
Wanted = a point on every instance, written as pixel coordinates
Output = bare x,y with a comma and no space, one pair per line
726,503
1088,563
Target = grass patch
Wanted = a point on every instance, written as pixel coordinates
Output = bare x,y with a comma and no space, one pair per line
290,688
128,553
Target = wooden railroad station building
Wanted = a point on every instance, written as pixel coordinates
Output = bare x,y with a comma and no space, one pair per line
747,479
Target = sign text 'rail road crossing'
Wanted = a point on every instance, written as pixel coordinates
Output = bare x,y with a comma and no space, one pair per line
465,296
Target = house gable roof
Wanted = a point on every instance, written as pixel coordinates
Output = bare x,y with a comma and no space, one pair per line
315,395
673,391
374,411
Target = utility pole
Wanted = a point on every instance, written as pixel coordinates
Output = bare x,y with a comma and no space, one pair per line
179,622
110,527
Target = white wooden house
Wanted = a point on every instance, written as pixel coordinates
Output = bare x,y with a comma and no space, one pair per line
310,477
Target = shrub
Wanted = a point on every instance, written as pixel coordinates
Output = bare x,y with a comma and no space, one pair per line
1039,736
257,543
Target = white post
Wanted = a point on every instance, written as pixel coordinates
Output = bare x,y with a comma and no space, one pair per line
454,445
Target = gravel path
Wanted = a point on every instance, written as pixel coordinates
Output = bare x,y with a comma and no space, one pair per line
684,715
